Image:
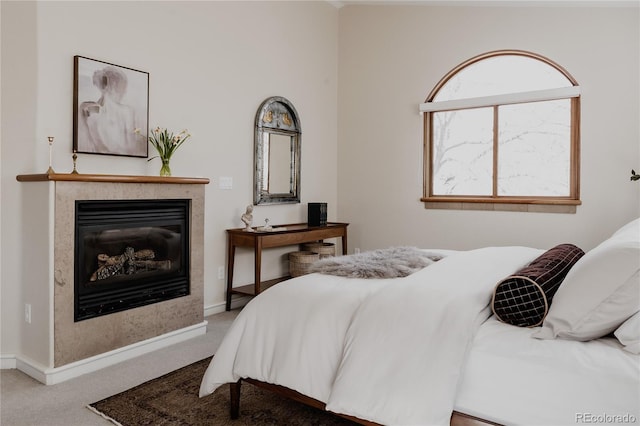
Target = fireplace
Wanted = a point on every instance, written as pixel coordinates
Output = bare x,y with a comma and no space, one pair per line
58,345
129,253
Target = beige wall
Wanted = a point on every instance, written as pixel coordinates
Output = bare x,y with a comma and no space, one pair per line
390,59
18,91
211,65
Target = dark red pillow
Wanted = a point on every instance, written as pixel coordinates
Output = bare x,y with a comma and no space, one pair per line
523,298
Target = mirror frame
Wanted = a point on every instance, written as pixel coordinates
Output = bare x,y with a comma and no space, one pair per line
278,116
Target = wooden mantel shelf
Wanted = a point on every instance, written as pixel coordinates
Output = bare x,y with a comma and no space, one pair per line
81,177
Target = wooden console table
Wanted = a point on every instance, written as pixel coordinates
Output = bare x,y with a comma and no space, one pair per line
296,233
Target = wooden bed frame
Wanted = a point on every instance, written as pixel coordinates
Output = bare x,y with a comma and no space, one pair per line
457,419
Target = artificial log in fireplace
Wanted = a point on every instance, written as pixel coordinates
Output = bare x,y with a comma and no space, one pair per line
129,253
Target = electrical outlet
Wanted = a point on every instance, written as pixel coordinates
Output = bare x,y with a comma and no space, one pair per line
27,313
356,250
221,272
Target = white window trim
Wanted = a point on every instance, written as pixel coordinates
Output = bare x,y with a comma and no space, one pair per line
506,99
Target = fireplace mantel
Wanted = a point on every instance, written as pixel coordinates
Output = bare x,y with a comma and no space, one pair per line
82,177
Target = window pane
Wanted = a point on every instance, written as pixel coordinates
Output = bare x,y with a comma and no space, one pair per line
500,75
462,162
534,149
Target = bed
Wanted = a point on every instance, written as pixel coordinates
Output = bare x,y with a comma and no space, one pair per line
426,348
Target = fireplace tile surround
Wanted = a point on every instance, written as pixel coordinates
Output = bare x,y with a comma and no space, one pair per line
53,340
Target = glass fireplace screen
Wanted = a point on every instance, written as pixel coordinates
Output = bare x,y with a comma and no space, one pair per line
129,253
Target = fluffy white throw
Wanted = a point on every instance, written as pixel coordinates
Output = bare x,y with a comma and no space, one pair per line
391,262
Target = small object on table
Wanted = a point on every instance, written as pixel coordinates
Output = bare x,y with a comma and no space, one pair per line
247,218
317,214
266,227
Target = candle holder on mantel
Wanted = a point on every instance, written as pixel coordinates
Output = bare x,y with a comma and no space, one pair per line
75,158
50,170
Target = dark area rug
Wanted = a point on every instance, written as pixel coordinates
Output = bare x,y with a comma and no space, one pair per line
173,399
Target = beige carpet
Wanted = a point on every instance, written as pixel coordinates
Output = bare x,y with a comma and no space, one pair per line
173,399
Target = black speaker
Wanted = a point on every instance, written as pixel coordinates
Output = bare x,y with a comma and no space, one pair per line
317,214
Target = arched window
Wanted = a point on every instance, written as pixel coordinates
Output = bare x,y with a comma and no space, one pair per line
503,127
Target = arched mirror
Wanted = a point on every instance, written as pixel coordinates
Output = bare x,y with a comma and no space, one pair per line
277,153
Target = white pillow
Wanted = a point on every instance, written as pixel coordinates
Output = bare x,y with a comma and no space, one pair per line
630,228
600,292
629,334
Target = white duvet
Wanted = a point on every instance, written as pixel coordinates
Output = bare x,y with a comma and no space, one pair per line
385,350
513,379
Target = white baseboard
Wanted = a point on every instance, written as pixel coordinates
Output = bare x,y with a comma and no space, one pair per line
51,376
221,307
7,361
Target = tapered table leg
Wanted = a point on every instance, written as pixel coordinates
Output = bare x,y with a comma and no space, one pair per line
234,389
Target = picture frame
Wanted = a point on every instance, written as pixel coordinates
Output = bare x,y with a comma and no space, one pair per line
110,109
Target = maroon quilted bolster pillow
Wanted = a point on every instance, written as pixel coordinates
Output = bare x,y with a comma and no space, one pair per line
523,299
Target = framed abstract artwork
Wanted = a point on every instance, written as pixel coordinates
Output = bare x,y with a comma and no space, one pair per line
110,109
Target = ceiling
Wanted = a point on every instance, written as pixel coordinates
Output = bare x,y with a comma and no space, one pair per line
594,3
